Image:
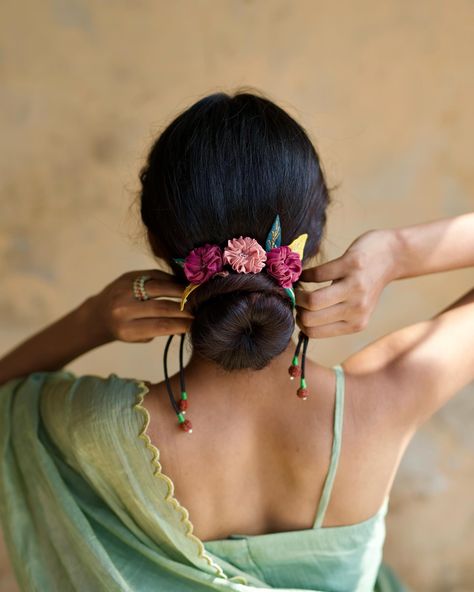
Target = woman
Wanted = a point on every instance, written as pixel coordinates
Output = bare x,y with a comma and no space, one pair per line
251,480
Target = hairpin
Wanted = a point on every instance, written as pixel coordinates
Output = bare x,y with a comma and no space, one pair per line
243,255
246,255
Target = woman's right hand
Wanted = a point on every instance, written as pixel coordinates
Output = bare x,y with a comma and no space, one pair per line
358,278
115,314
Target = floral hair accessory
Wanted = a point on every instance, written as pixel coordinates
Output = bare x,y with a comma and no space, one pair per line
246,255
284,265
243,255
202,263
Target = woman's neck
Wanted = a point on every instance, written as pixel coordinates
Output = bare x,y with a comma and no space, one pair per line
202,371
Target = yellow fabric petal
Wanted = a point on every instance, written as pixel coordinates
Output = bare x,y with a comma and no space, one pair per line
298,244
187,291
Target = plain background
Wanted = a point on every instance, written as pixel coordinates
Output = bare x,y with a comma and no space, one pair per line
385,89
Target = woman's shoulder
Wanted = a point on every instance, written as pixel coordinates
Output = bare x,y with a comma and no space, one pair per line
70,399
84,389
58,379
87,412
63,377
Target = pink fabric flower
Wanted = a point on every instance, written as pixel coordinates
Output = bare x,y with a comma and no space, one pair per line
245,255
202,263
284,265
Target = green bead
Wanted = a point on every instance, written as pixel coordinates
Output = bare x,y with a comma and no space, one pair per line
180,417
303,383
184,395
295,361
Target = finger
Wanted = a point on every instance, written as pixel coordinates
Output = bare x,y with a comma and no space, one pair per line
164,326
332,270
331,330
320,298
337,312
140,309
150,328
164,286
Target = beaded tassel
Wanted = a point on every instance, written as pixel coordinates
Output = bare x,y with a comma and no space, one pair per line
302,392
295,371
180,409
183,402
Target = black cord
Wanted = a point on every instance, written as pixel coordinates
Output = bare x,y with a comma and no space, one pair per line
303,357
181,368
300,341
167,380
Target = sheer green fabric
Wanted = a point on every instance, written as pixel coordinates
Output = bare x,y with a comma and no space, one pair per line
84,505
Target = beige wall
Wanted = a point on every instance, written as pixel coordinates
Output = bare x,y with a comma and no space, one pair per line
386,91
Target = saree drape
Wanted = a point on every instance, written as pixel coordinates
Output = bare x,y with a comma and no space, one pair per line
84,505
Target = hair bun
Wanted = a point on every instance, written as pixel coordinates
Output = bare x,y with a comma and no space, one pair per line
241,320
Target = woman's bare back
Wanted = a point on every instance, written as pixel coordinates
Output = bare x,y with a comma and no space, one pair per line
258,456
260,468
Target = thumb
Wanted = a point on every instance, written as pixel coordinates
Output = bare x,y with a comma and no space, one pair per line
332,270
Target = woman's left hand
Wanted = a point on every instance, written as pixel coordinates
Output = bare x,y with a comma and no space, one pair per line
116,314
358,278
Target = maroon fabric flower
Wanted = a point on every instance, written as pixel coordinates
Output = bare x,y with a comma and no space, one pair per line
284,265
202,263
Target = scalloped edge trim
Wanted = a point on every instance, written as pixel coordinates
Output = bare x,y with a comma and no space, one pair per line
189,527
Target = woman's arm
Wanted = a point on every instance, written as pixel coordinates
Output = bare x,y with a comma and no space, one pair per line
111,315
433,247
417,369
371,261
55,346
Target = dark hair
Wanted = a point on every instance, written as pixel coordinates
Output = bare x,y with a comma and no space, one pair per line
224,168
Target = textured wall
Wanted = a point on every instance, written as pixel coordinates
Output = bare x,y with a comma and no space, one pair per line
386,91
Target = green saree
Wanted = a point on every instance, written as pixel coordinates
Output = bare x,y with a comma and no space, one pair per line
85,507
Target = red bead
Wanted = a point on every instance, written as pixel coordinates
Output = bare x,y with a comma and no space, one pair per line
186,426
183,405
294,371
302,393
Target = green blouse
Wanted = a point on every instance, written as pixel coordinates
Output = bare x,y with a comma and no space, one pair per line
85,506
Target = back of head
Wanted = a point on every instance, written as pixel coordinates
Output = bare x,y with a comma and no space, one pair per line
221,169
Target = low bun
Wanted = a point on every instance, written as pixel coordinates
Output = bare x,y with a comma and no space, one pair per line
241,320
